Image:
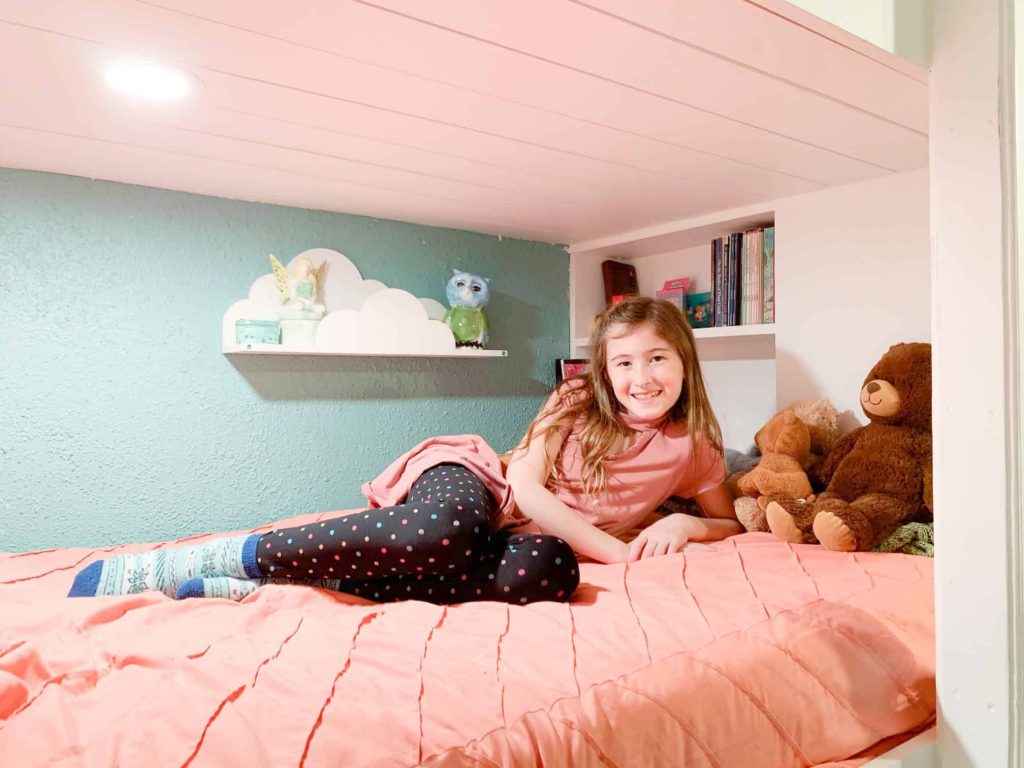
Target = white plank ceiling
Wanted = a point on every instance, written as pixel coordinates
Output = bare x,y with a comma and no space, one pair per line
556,120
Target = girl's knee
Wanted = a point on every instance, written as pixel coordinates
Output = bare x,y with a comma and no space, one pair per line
552,565
564,568
463,534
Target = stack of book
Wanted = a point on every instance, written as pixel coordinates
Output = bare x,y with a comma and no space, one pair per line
743,277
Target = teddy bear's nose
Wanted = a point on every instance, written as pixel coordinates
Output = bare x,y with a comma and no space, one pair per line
873,387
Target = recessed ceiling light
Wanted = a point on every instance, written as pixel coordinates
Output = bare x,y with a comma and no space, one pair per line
147,80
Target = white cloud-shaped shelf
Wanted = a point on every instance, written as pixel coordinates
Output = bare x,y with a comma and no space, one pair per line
364,317
390,321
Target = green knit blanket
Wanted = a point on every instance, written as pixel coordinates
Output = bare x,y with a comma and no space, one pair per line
911,539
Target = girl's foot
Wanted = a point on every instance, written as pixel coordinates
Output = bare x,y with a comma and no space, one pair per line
164,570
218,586
237,589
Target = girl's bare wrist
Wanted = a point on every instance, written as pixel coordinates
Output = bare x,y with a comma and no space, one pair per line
696,528
623,552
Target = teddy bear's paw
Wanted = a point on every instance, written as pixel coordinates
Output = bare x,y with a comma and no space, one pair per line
750,515
833,533
782,524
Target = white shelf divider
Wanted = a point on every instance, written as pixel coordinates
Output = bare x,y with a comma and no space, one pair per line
734,342
731,331
726,332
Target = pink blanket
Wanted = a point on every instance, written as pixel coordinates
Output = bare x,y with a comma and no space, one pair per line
747,653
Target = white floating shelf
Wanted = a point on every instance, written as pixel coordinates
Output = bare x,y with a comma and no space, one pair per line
361,318
277,349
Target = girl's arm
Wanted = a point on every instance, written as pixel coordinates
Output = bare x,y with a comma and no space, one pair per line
671,533
527,473
711,529
717,502
721,519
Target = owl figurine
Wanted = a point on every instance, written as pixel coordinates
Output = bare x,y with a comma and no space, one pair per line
467,296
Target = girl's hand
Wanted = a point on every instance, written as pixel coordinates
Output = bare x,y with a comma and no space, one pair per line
664,537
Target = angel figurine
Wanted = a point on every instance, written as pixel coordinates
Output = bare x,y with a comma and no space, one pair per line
300,292
301,311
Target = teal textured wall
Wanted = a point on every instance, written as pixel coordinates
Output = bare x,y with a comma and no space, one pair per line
120,418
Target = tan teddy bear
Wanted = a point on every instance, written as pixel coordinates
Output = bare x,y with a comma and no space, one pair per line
792,443
785,444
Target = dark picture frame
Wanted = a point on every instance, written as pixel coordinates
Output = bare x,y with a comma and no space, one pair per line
567,367
619,280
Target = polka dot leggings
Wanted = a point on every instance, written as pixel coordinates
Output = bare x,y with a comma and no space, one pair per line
437,546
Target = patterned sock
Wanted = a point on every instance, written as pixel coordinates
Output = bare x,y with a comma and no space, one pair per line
163,570
237,589
218,586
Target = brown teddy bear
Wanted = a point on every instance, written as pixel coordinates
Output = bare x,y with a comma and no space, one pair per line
879,476
792,442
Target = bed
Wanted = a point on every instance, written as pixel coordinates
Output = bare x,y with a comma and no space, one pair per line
747,652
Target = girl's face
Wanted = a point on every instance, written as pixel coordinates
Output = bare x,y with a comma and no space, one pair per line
645,370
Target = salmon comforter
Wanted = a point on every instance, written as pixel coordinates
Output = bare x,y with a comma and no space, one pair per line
748,652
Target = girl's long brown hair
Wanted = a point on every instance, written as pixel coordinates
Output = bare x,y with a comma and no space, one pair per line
590,399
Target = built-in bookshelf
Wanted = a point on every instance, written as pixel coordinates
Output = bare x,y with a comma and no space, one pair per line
679,249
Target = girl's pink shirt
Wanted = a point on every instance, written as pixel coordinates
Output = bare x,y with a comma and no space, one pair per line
664,460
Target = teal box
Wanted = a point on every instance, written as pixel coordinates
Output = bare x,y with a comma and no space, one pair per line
249,332
698,310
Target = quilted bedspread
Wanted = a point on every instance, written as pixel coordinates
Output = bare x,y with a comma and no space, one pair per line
748,652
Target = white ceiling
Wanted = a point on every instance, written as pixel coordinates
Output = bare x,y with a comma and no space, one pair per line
555,120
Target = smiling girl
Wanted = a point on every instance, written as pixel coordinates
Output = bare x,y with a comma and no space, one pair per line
446,521
608,448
